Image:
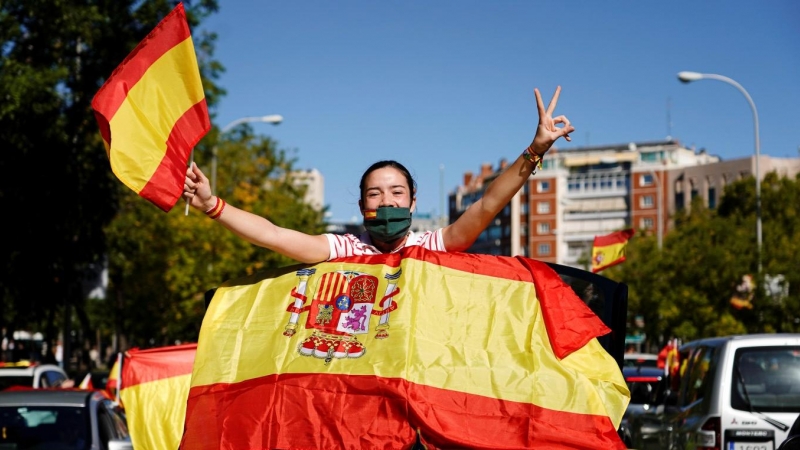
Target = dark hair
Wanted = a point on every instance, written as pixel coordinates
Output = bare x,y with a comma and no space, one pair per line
388,163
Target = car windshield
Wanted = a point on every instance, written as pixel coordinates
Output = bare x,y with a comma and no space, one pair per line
44,427
6,381
767,379
633,360
642,388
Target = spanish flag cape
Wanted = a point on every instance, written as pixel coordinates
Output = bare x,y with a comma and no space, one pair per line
447,349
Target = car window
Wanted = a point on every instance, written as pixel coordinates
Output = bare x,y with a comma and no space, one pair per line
766,379
51,378
698,380
44,427
116,419
641,391
15,380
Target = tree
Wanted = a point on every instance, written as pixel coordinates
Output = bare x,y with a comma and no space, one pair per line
57,179
685,290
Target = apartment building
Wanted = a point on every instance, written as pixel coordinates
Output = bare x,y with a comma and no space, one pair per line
585,192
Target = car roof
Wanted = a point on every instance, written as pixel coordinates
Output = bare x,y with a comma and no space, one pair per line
46,397
22,368
645,373
641,356
759,339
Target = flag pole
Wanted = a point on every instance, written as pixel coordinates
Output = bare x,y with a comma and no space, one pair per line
191,161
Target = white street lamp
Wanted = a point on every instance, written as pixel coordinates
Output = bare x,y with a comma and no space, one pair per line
688,77
274,119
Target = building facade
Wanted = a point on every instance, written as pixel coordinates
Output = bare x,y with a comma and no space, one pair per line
585,192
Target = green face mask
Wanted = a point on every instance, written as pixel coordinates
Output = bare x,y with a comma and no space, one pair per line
387,223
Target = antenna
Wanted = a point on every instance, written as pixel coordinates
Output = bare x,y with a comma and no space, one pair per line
669,118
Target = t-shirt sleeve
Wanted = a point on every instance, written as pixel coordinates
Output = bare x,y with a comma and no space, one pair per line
340,245
432,240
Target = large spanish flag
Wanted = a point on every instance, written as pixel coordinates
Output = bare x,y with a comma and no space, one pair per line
609,250
154,108
458,350
155,385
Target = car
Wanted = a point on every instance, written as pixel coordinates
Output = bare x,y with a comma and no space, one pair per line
61,418
648,387
30,374
640,360
736,392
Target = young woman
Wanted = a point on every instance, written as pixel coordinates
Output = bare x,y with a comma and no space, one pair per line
388,199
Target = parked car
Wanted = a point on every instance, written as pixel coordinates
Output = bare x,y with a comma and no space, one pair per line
735,393
31,375
61,419
641,424
640,360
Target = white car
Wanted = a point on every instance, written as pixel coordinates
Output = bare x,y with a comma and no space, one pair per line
31,375
734,393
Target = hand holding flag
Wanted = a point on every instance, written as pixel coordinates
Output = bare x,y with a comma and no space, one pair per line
154,108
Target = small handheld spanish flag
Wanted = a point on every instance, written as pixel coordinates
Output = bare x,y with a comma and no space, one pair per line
152,112
609,250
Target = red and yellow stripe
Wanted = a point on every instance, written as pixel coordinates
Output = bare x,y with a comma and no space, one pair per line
155,386
609,250
154,108
482,352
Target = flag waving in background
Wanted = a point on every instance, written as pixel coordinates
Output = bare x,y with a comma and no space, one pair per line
609,250
461,350
86,383
152,112
154,387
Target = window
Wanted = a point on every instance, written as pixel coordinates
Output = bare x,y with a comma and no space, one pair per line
646,201
543,228
712,198
543,186
651,157
646,223
698,381
646,180
543,207
544,249
679,200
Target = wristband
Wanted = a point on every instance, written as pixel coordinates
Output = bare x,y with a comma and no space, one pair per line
533,158
216,211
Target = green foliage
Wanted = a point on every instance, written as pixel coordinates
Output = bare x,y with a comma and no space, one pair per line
685,289
55,55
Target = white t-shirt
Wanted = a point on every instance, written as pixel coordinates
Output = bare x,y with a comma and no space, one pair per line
350,245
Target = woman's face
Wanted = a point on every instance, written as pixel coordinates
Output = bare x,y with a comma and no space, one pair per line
386,187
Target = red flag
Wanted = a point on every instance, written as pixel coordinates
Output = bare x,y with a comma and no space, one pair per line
155,385
462,350
609,250
152,112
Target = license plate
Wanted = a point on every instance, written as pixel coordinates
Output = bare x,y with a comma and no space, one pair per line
751,445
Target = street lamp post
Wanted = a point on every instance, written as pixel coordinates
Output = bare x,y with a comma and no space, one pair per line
688,77
274,119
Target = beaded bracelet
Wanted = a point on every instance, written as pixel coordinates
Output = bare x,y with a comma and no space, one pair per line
533,158
216,210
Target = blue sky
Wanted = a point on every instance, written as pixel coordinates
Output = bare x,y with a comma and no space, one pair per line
444,86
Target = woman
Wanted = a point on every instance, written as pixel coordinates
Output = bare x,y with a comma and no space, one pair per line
388,198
